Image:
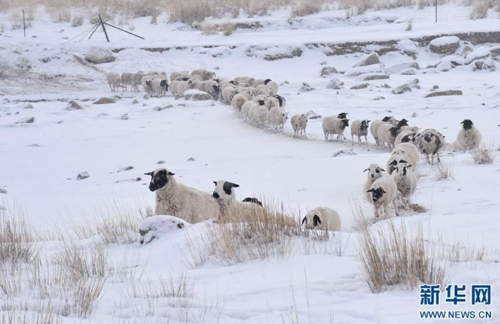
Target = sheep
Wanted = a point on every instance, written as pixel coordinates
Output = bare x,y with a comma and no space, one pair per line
299,124
183,86
246,108
179,200
469,137
359,128
252,200
278,117
255,83
238,101
387,133
155,226
322,218
406,182
137,81
383,192
228,94
146,82
261,115
179,75
254,112
272,86
244,79
376,124
374,172
173,87
205,75
333,125
199,85
212,88
225,83
229,208
128,80
405,136
114,80
396,159
159,86
262,89
430,141
410,150
272,102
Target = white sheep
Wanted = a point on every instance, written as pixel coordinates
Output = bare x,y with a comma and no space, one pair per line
359,128
322,218
374,172
179,200
114,80
159,86
333,125
183,86
244,79
257,82
405,136
212,88
469,137
251,109
410,150
383,192
386,134
155,226
396,159
232,210
272,86
228,94
278,117
238,101
177,76
195,78
137,81
406,182
199,85
262,89
246,108
128,79
299,124
430,142
204,74
376,124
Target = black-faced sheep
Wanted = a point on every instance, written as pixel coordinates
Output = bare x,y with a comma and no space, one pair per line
360,128
333,125
322,218
430,142
383,192
468,138
299,124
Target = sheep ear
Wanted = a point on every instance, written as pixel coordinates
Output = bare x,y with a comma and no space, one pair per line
402,161
170,173
304,221
149,173
383,190
462,122
215,182
371,190
316,220
409,166
382,170
393,163
366,169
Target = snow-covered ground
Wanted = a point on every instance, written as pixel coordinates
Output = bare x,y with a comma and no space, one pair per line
40,161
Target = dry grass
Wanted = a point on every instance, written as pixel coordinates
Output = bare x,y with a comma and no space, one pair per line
409,27
228,28
18,242
484,154
208,28
76,20
444,170
306,7
395,257
479,9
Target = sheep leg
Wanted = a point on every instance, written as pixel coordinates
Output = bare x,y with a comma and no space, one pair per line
439,160
395,207
427,158
366,139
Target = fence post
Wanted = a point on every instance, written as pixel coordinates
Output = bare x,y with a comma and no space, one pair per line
436,10
24,24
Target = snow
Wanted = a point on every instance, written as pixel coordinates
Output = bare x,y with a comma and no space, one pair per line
445,40
317,281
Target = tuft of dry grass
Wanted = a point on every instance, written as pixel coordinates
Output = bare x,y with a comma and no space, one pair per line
208,28
409,26
228,28
479,9
395,257
76,21
484,154
18,242
306,7
444,170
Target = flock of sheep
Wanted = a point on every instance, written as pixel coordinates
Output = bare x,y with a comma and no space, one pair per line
258,102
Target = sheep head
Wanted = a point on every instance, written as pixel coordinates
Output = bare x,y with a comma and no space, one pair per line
467,124
377,193
224,190
159,178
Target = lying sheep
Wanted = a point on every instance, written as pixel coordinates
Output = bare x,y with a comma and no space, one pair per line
155,226
359,128
469,137
299,124
278,117
376,124
230,209
179,200
332,125
114,80
374,172
238,101
322,218
406,182
383,192
430,142
272,86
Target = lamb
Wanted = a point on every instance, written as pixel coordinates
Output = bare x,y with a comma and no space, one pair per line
278,117
179,200
383,192
333,125
322,218
376,124
272,86
469,137
359,128
155,226
159,86
114,80
229,208
374,172
182,86
238,101
406,182
430,141
410,150
299,124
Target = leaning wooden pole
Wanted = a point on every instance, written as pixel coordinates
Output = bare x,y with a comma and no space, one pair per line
104,28
24,24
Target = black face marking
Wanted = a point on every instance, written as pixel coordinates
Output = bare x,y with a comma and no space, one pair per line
364,124
345,122
377,194
159,179
304,220
215,195
404,171
266,81
280,99
233,82
228,186
402,122
164,84
394,131
342,115
402,161
367,169
408,138
428,137
386,118
252,200
467,124
261,102
216,88
393,163
316,220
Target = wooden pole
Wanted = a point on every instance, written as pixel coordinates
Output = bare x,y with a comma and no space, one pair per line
123,30
95,28
24,24
436,10
104,28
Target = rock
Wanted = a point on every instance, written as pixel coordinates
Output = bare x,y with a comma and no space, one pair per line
375,68
372,76
312,115
344,151
444,66
335,84
401,89
305,87
444,45
135,101
29,106
83,175
466,50
73,105
414,115
146,96
34,145
435,87
125,168
360,86
371,59
379,98
410,71
30,120
495,51
124,117
196,95
99,55
327,70
284,83
191,159
296,52
162,108
398,68
104,101
3,191
161,162
477,55
444,93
